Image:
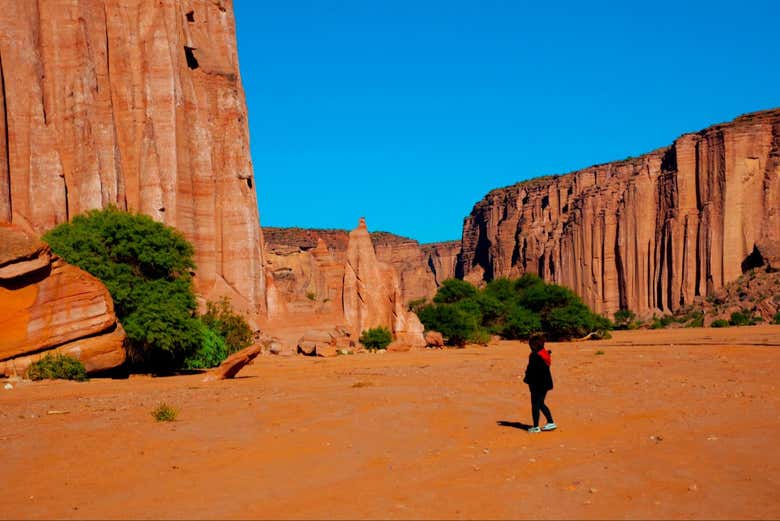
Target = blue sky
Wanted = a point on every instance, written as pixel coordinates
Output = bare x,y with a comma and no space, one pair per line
409,112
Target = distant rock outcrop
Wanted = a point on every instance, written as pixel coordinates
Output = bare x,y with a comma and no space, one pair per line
651,233
48,305
336,277
307,264
136,103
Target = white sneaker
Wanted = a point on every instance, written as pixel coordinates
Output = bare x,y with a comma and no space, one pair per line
550,427
534,429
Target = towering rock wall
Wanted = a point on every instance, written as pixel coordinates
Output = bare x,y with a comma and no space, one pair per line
649,234
136,103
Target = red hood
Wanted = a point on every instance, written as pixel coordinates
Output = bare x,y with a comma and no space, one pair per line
545,354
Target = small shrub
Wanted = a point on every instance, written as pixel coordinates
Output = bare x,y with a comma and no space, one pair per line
164,413
661,322
741,318
695,319
599,352
57,367
233,328
624,318
376,338
311,295
776,320
358,385
720,323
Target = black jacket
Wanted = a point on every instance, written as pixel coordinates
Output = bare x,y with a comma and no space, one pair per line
537,374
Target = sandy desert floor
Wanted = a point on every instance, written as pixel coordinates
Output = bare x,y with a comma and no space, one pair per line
663,424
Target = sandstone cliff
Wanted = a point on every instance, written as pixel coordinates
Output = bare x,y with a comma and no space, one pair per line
136,103
651,233
48,305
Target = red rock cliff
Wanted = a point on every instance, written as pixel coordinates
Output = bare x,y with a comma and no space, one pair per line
136,103
649,233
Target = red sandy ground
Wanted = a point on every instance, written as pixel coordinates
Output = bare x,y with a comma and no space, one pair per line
664,424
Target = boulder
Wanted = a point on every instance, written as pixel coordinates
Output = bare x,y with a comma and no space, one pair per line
47,305
434,339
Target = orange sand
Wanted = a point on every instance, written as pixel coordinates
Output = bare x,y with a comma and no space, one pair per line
647,430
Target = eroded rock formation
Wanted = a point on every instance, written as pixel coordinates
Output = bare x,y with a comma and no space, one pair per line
48,305
136,103
307,265
344,284
651,233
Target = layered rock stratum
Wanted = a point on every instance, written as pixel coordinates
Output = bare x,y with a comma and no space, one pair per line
652,233
138,104
48,305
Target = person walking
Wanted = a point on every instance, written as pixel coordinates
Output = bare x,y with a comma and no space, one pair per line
539,380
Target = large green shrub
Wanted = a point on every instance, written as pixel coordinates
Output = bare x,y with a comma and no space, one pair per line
720,323
57,367
454,323
454,290
376,338
233,328
513,309
146,267
521,323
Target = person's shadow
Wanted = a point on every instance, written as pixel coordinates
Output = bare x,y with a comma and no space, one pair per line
514,425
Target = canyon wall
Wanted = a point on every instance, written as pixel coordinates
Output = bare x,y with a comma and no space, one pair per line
649,234
138,104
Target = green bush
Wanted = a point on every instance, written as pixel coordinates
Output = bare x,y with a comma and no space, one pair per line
56,366
454,290
146,267
520,324
376,338
661,322
211,353
695,319
777,318
573,320
233,328
512,309
742,318
454,323
624,318
720,323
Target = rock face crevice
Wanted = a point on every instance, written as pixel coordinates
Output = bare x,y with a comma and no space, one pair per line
649,234
101,106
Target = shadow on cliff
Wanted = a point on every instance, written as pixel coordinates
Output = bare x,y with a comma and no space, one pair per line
514,425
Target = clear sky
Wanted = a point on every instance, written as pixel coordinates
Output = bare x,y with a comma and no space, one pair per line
408,112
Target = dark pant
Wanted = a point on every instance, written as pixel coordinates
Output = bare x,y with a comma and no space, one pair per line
537,404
